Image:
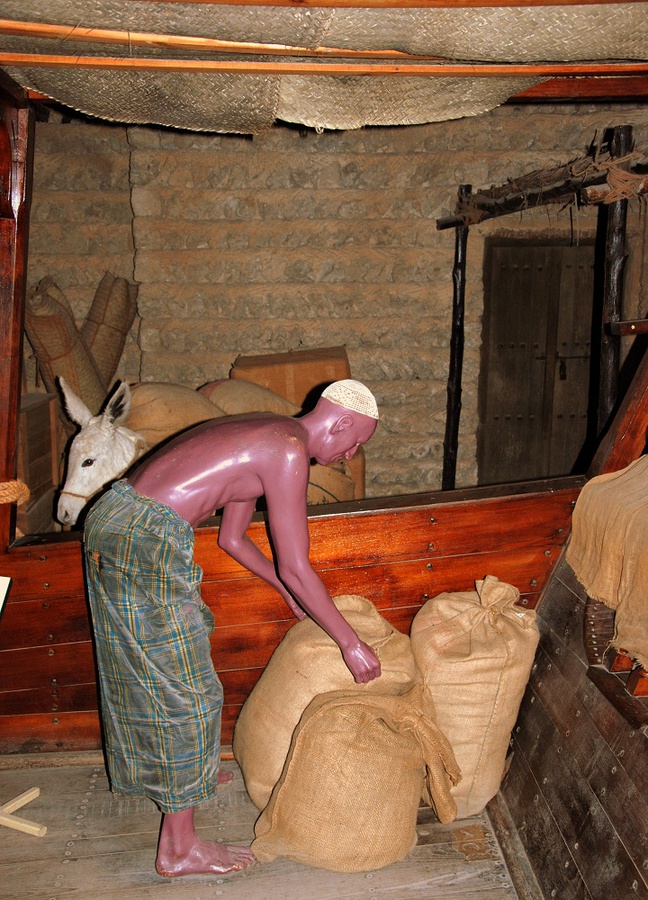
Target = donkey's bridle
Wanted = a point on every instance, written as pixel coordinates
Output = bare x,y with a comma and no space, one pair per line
72,494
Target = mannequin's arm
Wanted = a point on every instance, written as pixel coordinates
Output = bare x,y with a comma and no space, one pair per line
289,528
233,539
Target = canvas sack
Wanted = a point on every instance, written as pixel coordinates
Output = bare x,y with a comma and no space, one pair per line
475,651
349,794
308,663
159,410
236,397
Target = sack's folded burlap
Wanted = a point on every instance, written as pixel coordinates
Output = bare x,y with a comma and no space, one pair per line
308,663
608,550
349,793
475,650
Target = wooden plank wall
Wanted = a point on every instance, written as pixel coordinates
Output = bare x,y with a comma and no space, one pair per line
396,555
577,788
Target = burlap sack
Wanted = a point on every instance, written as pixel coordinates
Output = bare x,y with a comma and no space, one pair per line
330,484
59,348
349,793
160,410
235,397
475,651
109,320
608,551
305,664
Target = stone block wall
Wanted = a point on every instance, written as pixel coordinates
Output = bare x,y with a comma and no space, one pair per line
297,239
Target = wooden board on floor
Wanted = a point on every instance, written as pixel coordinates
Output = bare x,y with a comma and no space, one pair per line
102,846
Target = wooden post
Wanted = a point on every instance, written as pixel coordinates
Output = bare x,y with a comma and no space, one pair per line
615,256
453,409
16,146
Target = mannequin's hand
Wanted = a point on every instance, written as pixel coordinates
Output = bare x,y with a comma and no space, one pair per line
362,662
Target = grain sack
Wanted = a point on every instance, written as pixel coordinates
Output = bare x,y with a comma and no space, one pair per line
109,320
305,664
160,410
330,484
349,793
59,348
475,651
235,397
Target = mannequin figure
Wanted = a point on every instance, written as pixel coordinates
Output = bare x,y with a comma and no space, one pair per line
161,698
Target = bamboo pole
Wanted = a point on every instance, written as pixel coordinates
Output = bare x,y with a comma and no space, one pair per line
399,4
256,67
78,33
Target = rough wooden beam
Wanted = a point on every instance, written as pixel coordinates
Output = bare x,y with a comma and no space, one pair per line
601,193
615,257
453,411
625,439
486,206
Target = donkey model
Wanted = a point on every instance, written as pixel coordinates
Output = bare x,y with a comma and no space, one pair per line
105,448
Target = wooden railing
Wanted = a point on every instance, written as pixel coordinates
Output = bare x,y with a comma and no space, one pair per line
396,553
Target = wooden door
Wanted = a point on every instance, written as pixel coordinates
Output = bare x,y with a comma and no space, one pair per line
535,369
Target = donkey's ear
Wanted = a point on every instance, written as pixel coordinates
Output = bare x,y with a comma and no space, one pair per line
74,406
118,407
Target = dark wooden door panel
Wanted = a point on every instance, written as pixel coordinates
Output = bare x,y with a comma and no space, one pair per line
535,360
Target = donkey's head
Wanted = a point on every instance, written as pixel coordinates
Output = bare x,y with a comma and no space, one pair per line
101,451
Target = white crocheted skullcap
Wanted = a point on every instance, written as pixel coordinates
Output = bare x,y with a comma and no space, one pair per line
352,395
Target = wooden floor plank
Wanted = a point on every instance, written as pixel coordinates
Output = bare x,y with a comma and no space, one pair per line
102,846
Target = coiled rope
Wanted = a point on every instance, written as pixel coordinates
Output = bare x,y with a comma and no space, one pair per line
14,492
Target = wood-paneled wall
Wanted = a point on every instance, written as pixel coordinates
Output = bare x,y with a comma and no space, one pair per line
577,788
396,555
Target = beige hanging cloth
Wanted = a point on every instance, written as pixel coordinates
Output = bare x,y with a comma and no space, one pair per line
608,551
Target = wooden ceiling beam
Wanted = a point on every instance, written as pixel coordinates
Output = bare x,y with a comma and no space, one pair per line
579,90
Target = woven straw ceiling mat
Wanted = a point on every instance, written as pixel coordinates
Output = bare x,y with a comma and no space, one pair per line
250,104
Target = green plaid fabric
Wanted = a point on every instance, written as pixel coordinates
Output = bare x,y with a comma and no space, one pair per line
161,699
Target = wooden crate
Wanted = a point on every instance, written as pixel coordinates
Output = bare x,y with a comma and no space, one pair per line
296,374
37,461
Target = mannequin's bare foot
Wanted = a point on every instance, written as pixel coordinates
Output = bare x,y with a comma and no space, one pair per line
182,852
224,777
205,858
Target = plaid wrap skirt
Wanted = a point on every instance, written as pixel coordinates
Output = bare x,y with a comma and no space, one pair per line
161,699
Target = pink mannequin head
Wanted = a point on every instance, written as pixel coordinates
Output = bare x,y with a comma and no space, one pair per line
345,417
